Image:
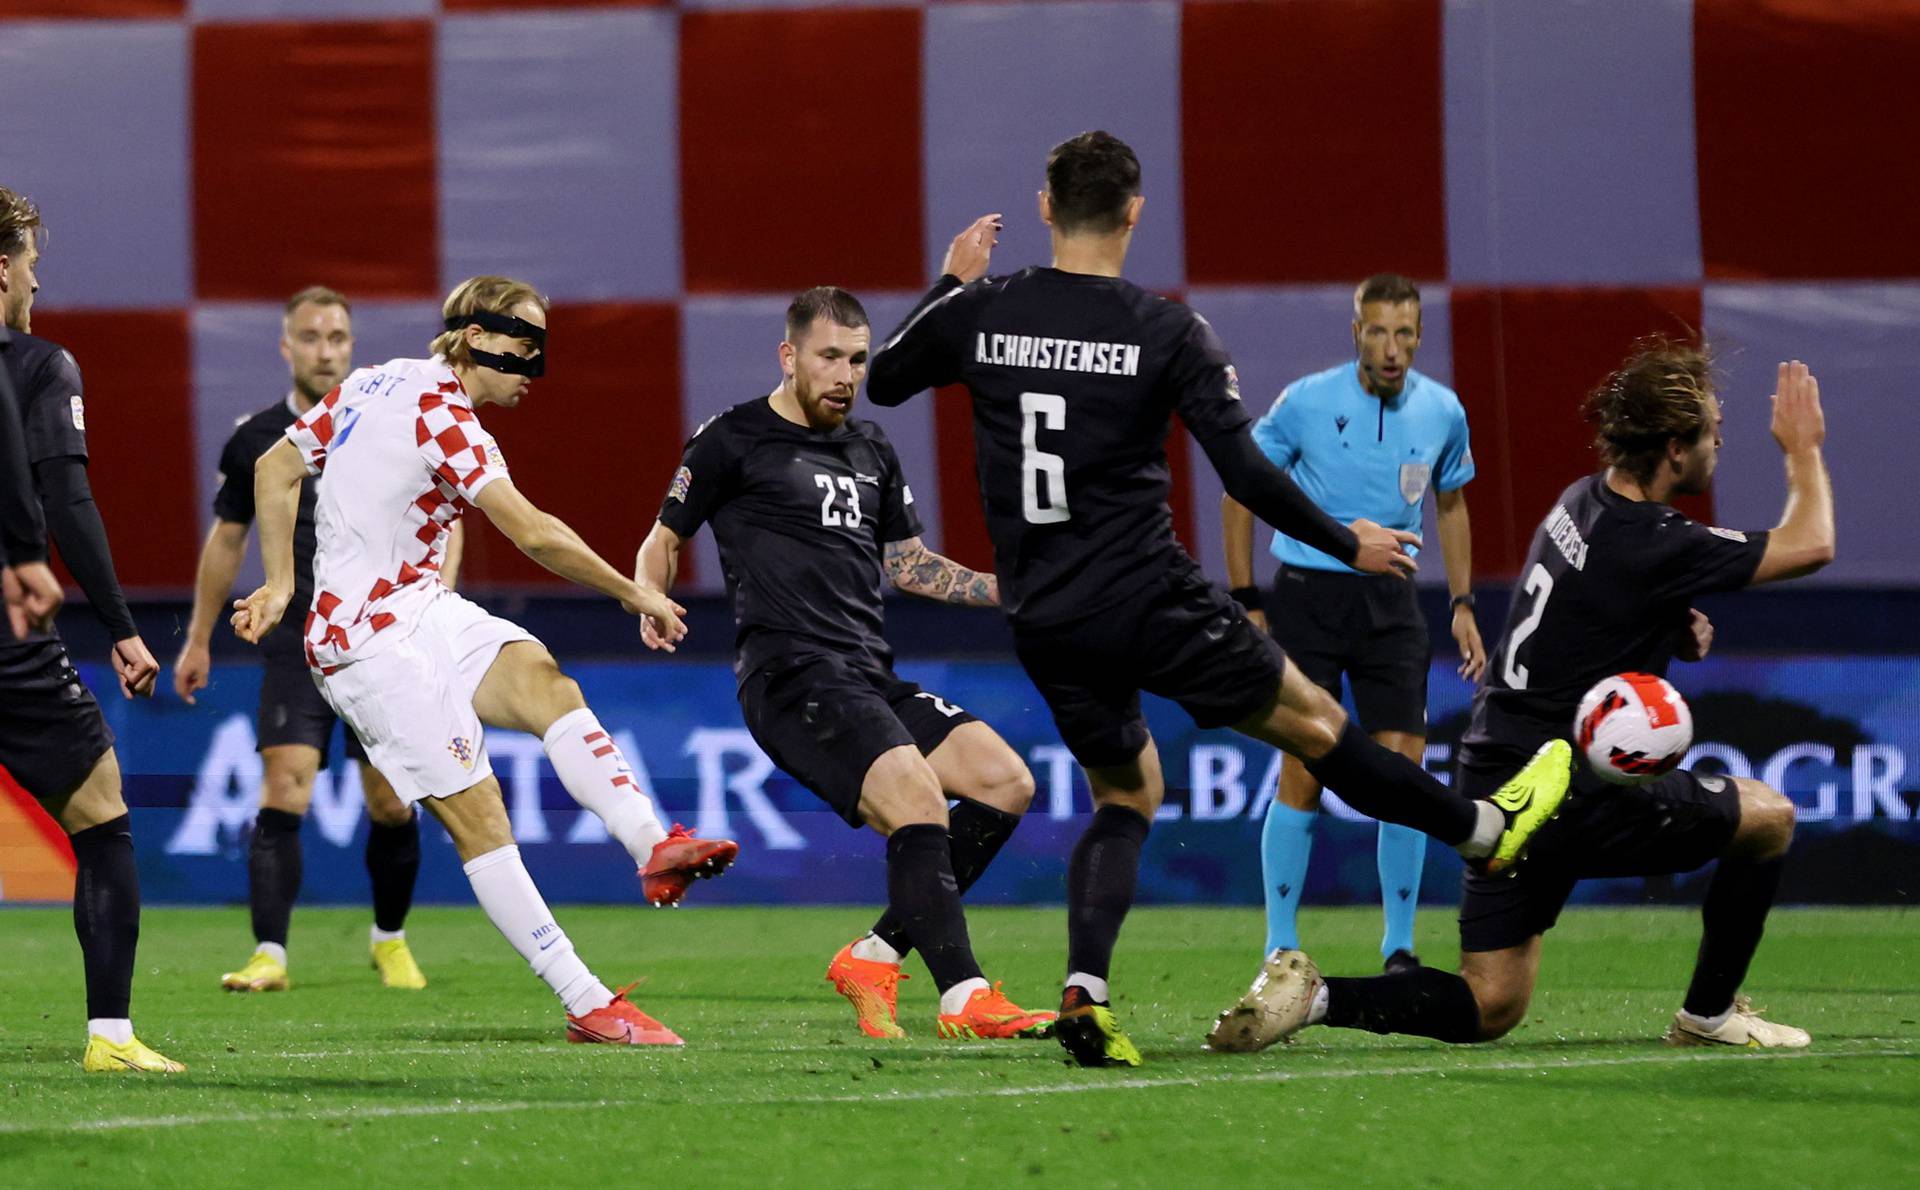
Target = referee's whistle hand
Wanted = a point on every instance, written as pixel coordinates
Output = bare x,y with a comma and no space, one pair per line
1383,550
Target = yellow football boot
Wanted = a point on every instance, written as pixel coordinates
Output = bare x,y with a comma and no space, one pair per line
395,964
104,1056
261,974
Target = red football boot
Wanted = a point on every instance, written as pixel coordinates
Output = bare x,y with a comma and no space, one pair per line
619,1023
680,859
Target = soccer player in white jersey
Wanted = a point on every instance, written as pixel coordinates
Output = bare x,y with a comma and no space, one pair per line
417,670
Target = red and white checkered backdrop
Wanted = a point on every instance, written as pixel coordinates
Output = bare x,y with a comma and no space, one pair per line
1561,175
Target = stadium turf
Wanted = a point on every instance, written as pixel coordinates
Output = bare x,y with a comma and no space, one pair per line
470,1082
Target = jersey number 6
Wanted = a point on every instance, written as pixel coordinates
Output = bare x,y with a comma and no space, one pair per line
1037,467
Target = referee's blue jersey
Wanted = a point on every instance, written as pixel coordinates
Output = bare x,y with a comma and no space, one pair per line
1358,456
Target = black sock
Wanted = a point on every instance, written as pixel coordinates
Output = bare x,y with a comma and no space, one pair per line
1426,1002
921,889
1385,785
975,834
1733,918
106,915
393,863
1100,883
273,873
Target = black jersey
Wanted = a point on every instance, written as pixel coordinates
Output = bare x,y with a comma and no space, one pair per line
801,518
46,383
1605,590
252,437
1073,379
23,530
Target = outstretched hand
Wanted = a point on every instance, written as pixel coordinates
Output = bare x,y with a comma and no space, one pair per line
258,613
1799,424
1383,550
972,250
660,624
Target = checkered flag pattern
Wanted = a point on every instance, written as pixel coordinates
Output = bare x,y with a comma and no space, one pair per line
1561,176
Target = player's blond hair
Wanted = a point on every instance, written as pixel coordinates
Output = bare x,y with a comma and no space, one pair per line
492,295
317,295
19,222
1662,393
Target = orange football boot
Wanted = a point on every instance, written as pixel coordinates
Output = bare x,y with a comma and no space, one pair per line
680,859
989,1015
619,1023
870,986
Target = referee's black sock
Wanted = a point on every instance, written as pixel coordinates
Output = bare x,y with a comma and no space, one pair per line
975,834
1383,784
1733,918
922,891
1100,881
273,873
1425,1002
393,864
106,915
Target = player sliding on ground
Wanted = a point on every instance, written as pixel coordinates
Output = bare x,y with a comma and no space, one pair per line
1074,374
1606,588
416,670
804,501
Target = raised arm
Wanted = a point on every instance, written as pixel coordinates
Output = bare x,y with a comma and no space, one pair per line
1252,479
220,558
917,570
276,503
919,354
655,568
1804,540
551,542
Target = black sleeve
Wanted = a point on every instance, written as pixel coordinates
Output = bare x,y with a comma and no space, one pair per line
1689,558
1252,479
899,520
74,522
234,501
23,532
54,412
1205,389
920,354
706,479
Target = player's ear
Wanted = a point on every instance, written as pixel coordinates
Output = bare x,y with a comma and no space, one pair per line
789,356
1046,210
1134,206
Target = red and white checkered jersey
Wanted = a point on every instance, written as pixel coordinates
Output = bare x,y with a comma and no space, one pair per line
404,457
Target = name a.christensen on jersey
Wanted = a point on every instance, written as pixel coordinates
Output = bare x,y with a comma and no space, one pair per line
1566,536
1065,355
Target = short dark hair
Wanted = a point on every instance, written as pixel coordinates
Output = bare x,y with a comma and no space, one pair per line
830,302
318,295
1090,179
1661,393
1391,288
19,223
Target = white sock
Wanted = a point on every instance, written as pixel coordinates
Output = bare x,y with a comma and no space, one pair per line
594,772
1317,1011
514,906
874,950
955,998
1486,831
272,950
1708,1024
117,1029
380,935
1096,986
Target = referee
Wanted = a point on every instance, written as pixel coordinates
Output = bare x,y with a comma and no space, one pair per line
1363,439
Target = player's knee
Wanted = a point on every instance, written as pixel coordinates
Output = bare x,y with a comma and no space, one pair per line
1003,783
1766,820
286,787
1501,1010
385,808
901,790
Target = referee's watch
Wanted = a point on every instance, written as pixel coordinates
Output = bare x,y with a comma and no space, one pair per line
1460,601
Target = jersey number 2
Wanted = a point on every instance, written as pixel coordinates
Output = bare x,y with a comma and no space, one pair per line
1039,469
1539,585
829,515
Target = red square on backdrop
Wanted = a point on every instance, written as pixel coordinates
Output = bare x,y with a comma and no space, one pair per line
1311,140
1804,121
140,448
800,149
596,440
1523,360
313,159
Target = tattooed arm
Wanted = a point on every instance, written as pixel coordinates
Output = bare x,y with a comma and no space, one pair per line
917,570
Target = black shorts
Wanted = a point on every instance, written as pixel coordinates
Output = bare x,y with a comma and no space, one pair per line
1367,627
51,729
1187,641
292,710
825,720
1674,824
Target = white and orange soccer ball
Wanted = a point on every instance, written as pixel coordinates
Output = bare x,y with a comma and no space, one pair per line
1633,728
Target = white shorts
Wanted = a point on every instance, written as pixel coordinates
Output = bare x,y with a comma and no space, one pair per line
411,703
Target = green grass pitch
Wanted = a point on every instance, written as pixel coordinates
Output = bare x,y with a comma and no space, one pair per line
341,1082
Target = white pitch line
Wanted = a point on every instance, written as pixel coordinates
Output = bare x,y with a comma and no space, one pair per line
321,1115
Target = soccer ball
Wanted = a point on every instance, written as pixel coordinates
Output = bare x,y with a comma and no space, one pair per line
1633,728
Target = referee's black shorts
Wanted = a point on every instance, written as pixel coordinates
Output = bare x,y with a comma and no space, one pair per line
1367,628
1673,824
824,720
292,710
51,729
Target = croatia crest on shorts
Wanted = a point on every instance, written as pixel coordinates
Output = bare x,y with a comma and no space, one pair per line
462,750
682,480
